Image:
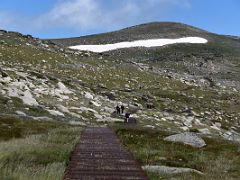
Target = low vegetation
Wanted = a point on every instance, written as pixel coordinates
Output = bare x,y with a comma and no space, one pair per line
11,127
218,160
35,150
172,78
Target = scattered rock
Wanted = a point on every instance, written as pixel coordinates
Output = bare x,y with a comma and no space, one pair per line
28,99
149,126
21,113
3,73
215,127
231,136
95,103
63,109
79,123
43,118
126,86
88,95
169,118
85,109
184,128
63,89
170,170
55,113
110,95
98,116
5,80
204,131
109,119
189,138
108,110
218,125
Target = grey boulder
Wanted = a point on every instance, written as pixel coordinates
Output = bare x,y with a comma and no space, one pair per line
189,138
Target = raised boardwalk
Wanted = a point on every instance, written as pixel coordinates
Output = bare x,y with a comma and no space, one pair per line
100,155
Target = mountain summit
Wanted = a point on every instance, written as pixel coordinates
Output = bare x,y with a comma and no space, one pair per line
184,82
154,30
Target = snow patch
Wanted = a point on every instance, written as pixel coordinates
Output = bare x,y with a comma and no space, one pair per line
139,43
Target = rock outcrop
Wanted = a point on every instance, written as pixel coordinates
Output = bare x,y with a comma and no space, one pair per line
188,138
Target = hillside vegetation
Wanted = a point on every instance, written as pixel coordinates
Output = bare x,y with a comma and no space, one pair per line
49,93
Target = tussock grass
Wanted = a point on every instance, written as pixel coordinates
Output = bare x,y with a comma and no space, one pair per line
220,159
12,127
40,156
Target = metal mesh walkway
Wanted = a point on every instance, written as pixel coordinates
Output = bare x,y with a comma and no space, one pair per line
100,155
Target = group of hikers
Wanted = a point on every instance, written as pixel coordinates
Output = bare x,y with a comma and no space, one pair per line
120,110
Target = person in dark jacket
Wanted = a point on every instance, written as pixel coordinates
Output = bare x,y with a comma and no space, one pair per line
122,108
118,109
127,115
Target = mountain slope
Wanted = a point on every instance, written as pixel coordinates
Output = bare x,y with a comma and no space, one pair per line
218,60
219,43
155,30
40,79
168,90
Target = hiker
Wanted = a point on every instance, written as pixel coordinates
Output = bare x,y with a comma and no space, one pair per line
122,108
118,109
127,115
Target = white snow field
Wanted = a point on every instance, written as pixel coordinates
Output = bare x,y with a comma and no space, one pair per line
139,43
